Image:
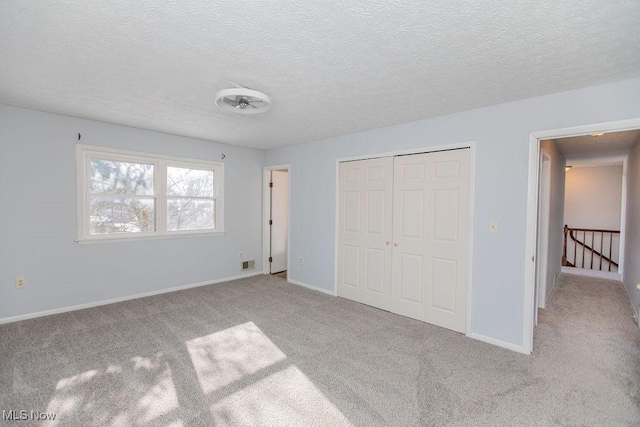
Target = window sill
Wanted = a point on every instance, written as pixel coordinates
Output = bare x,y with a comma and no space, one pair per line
136,238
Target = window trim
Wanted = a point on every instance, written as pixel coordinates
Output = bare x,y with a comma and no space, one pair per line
160,162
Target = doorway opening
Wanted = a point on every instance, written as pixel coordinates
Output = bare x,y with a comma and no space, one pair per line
276,221
594,217
556,198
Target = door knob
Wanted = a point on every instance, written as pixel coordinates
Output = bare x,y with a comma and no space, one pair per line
387,243
395,244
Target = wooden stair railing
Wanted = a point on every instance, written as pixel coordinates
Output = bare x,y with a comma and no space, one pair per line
572,233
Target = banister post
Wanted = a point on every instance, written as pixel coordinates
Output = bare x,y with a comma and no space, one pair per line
564,246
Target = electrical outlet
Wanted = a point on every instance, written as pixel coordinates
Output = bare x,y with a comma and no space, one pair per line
241,255
301,261
21,282
493,227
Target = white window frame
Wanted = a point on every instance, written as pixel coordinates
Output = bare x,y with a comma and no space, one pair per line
85,152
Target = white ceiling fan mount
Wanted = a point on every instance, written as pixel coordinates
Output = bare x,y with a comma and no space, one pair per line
242,100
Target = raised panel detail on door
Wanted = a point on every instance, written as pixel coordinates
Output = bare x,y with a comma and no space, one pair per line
412,213
365,227
375,270
376,209
411,278
353,175
448,169
352,211
352,262
446,206
443,277
413,171
376,173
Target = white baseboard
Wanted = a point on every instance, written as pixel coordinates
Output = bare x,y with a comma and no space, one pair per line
499,343
636,313
315,288
120,299
556,277
592,273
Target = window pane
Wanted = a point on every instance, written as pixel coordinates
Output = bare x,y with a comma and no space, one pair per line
189,214
109,215
184,182
109,176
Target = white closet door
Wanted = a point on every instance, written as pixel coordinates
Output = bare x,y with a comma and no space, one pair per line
364,233
430,237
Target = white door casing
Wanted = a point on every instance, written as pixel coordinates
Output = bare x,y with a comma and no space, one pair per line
364,234
280,220
542,255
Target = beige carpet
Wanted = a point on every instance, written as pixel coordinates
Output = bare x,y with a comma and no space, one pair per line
281,275
263,352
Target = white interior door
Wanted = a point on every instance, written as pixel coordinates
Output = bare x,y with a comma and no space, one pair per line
364,231
542,255
279,220
430,237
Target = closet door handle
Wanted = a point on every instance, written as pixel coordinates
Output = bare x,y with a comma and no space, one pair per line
387,243
395,244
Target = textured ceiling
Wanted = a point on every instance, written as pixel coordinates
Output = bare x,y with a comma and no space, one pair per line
330,67
593,147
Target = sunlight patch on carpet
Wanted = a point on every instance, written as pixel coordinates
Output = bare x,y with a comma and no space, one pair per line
227,356
286,397
140,391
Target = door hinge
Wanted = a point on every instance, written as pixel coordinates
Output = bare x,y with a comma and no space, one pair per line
270,259
270,222
271,185
533,259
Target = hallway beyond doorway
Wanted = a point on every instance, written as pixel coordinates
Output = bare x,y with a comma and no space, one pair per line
588,337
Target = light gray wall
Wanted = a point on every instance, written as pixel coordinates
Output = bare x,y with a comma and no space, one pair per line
593,197
502,136
556,213
38,217
631,272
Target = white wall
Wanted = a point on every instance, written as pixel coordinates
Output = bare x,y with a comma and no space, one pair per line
38,217
502,135
632,242
556,214
593,197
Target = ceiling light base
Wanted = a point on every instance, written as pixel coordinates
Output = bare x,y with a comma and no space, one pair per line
241,100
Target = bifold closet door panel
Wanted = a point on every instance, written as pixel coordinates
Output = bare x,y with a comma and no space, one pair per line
410,229
430,237
448,244
365,231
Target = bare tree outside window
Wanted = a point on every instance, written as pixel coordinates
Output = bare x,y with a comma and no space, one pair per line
121,197
191,200
129,195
